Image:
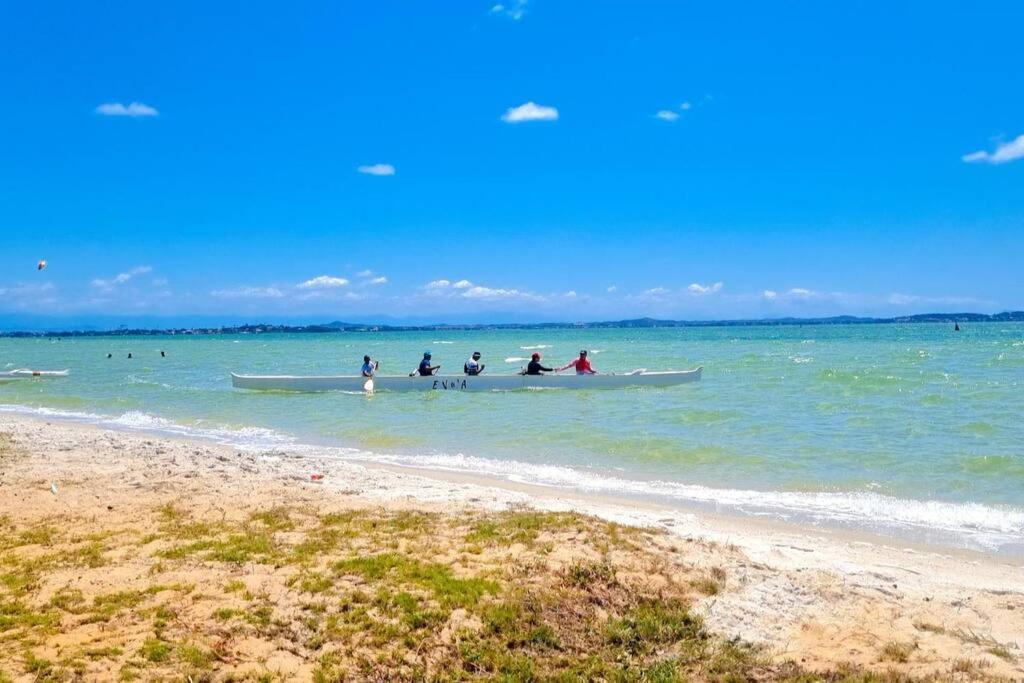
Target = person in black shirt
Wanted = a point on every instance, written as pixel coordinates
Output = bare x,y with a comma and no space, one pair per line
425,369
535,367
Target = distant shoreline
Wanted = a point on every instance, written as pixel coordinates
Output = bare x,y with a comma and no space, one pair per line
638,323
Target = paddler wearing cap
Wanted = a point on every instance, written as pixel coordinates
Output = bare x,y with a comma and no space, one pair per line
582,365
535,367
473,366
425,369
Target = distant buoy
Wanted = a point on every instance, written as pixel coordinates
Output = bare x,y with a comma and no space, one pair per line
41,266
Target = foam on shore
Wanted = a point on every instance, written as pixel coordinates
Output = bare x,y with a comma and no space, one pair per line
961,525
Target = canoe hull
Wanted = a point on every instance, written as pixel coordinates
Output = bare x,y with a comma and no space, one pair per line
464,383
11,375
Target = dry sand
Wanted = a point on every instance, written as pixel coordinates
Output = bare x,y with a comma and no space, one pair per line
819,599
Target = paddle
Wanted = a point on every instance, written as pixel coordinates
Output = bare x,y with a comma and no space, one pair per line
368,385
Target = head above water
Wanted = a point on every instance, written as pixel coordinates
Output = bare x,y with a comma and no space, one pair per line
476,355
536,356
583,353
366,359
426,354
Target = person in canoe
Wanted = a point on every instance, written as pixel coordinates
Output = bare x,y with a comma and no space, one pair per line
425,369
473,366
370,367
582,365
535,367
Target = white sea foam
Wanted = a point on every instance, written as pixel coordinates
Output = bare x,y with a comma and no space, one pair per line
536,346
514,359
442,342
971,524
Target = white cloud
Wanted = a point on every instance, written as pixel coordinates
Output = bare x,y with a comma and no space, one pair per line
656,291
324,282
248,293
801,292
571,294
437,284
666,115
686,106
121,278
514,10
381,280
770,294
365,273
530,111
611,289
377,169
134,109
697,288
467,290
489,293
1004,153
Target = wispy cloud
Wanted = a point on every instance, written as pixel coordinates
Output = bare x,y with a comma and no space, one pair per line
513,9
531,111
121,278
379,280
135,109
324,282
248,293
611,289
467,290
697,288
1004,153
686,106
667,115
377,169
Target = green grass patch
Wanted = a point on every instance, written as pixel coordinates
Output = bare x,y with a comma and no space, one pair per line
447,589
155,650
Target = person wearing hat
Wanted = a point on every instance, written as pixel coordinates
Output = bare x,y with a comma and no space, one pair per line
425,369
369,367
473,366
535,367
582,365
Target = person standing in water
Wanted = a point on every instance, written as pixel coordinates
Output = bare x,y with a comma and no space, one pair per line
582,365
369,367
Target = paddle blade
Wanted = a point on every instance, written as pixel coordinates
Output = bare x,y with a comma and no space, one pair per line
368,386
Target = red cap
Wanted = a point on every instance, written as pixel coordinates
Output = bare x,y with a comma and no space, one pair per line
536,356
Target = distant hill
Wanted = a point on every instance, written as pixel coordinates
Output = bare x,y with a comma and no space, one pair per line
339,326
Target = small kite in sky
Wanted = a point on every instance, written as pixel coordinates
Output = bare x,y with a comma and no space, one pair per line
42,265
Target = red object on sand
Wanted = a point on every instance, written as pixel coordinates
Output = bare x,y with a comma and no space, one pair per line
316,477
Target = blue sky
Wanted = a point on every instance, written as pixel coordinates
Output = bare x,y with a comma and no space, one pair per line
547,160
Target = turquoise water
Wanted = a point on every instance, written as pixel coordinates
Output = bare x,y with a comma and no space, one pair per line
911,430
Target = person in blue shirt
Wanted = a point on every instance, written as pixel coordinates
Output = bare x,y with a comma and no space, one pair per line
425,369
370,367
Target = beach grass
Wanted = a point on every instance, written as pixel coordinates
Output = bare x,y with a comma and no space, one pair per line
362,594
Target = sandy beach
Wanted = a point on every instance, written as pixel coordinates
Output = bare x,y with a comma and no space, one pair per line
127,555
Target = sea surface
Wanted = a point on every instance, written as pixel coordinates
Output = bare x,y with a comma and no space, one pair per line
912,431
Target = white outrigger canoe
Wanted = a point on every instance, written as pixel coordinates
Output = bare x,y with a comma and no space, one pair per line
356,383
11,375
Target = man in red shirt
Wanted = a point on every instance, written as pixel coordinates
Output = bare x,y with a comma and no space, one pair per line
582,365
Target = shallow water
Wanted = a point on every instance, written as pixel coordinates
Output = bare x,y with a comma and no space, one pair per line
911,430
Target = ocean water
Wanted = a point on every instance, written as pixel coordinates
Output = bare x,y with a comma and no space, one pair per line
911,431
